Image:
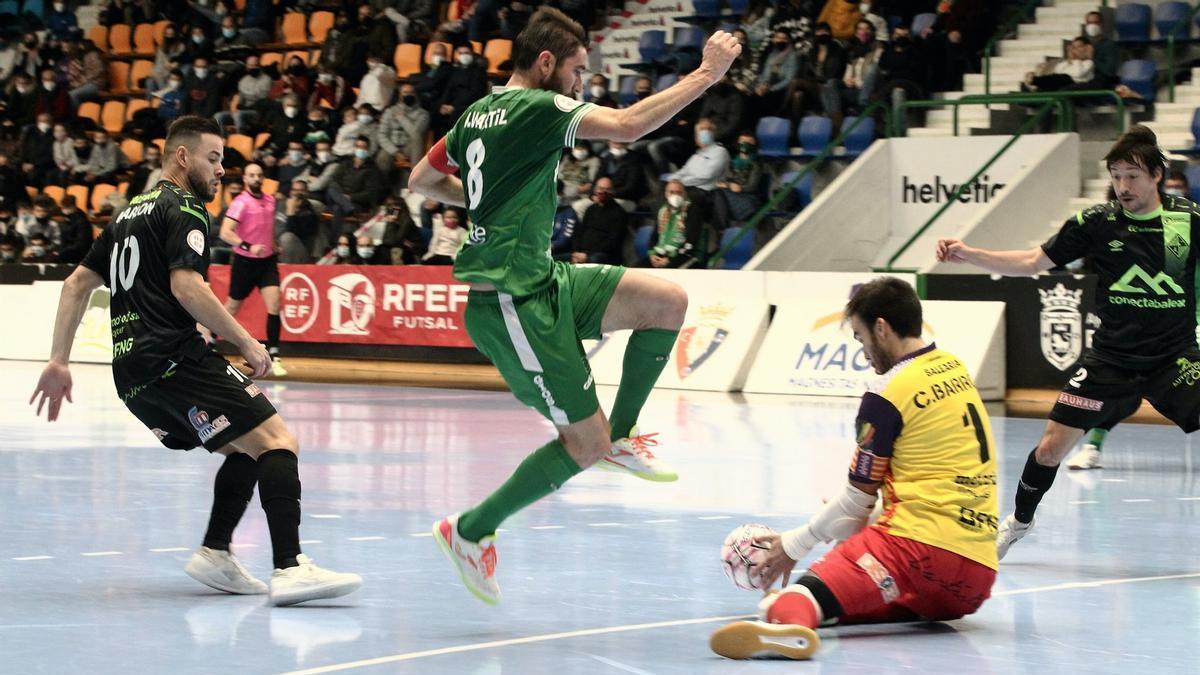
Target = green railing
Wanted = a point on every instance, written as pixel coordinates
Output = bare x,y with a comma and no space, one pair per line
785,190
999,35
1063,102
1029,124
1182,23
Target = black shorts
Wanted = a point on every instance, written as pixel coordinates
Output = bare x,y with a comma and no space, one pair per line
206,402
248,274
1101,394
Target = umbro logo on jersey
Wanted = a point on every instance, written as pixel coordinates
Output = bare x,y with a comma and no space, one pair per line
1116,245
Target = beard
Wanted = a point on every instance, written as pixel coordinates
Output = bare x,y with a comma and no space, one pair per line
552,83
200,187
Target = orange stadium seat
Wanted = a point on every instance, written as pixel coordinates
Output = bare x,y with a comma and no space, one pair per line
242,143
112,116
118,78
31,191
80,193
133,149
160,32
267,58
318,26
134,105
476,46
294,33
270,186
160,142
301,54
99,36
123,187
138,72
261,138
407,60
100,192
499,56
89,110
214,206
143,40
54,192
119,37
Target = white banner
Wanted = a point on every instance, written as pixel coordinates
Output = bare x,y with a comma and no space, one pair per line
810,350
29,339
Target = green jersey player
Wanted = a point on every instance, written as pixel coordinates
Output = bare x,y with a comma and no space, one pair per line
527,312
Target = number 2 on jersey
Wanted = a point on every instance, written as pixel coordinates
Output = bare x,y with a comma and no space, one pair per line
475,155
120,269
971,418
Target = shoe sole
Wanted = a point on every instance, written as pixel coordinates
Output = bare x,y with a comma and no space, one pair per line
220,586
453,557
746,639
330,590
605,465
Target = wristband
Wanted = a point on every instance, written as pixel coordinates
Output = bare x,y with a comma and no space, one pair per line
245,246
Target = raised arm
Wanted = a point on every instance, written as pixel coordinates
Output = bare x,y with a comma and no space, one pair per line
1026,262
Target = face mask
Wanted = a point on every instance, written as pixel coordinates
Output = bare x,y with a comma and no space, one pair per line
38,251
8,256
325,77
409,100
58,6
704,137
198,39
579,154
31,44
365,119
464,59
643,94
1174,192
228,32
49,86
780,45
343,251
675,201
24,90
295,71
822,40
603,196
295,156
290,110
864,7
254,72
173,84
323,156
617,152
361,153
201,73
1092,30
598,91
747,148
151,161
437,60
102,142
365,252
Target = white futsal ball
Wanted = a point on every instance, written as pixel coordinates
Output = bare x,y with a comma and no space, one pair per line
741,557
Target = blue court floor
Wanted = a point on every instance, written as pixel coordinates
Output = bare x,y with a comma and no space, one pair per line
610,575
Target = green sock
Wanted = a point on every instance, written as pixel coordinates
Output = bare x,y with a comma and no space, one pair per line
645,357
542,472
1096,437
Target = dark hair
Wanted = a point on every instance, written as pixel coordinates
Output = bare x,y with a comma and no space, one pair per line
187,130
890,299
1138,146
548,30
69,200
43,201
1178,175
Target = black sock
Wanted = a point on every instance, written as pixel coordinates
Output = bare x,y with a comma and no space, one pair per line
831,609
279,492
232,490
273,333
1035,483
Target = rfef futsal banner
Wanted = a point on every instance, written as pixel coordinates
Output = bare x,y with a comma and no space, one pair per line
363,304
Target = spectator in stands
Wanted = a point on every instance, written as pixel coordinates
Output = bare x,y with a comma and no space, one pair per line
345,252
259,15
167,58
398,236
513,18
253,91
857,84
842,16
76,232
20,106
53,98
628,175
577,170
146,174
378,85
780,65
369,253
379,33
40,223
10,248
29,58
61,21
37,151
744,71
1078,67
600,236
725,106
329,90
411,17
435,76
293,79
402,131
293,164
199,47
39,250
87,71
676,235
796,19
448,236
317,127
356,186
902,67
824,63
1176,185
232,48
950,59
105,161
467,83
202,94
83,151
565,221
66,162
345,49
737,196
301,226
321,170
286,126
1105,54
670,143
12,185
600,93
708,165
874,11
170,100
356,124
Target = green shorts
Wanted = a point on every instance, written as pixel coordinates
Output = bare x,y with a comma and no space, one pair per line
535,340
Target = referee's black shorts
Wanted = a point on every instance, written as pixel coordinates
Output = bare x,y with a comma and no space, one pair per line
201,403
1101,394
248,274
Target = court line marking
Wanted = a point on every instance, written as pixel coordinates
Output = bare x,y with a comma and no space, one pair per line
310,541
173,549
1136,501
547,637
94,554
547,527
421,534
35,557
1086,501
605,524
713,517
618,665
661,520
324,515
370,538
1188,499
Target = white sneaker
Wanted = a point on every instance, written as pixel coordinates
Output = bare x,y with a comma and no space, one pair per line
633,455
1011,531
748,639
475,561
306,582
1088,457
222,571
277,369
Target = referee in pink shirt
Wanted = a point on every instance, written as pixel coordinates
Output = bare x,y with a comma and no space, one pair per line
249,227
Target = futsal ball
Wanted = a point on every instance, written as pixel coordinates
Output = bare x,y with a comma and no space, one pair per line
741,557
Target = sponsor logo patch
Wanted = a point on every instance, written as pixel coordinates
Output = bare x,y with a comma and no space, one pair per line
566,104
880,575
206,428
252,390
195,241
1080,402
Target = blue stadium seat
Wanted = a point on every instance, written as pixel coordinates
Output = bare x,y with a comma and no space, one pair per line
641,241
773,135
627,95
1138,75
665,81
652,45
737,257
709,9
1167,14
729,26
862,137
814,134
689,37
1133,22
1193,178
1196,129
802,190
922,21
738,7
